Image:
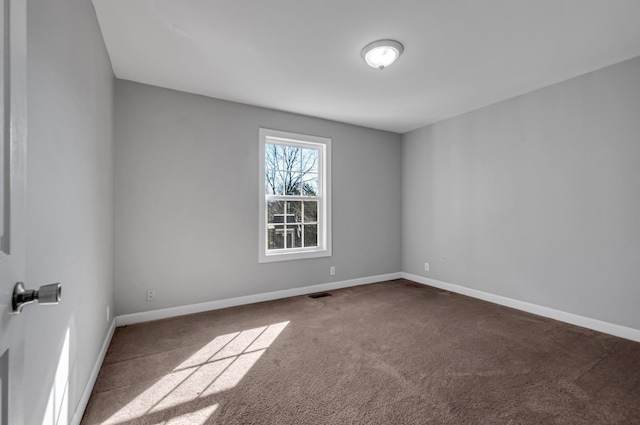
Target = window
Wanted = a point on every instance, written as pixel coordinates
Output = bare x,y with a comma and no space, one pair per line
295,199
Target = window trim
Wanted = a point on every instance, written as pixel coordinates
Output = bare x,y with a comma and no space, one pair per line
324,248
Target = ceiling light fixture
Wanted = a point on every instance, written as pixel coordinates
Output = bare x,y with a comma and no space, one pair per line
382,53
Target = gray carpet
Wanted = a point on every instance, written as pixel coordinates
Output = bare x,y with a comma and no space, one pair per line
388,353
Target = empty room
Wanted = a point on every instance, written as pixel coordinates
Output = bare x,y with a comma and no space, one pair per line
329,212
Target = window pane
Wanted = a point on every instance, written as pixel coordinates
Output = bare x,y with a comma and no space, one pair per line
291,158
292,183
294,236
281,182
275,235
294,212
310,185
311,235
310,211
309,160
269,156
273,157
274,182
275,212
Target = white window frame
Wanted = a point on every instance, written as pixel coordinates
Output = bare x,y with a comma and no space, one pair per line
323,144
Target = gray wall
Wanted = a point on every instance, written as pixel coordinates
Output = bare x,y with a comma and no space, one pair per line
69,198
536,198
187,200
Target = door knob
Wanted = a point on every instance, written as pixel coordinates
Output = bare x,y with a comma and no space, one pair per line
46,294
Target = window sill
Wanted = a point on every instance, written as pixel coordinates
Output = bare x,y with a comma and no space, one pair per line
297,255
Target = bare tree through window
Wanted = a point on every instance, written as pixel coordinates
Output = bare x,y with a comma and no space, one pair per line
291,170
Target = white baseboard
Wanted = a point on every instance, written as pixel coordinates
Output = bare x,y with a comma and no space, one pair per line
562,316
146,316
84,399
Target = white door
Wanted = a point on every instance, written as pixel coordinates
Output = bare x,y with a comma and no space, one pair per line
12,196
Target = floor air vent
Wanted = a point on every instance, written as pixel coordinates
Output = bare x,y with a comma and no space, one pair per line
323,294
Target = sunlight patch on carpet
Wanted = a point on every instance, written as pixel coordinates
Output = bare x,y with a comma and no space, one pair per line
218,366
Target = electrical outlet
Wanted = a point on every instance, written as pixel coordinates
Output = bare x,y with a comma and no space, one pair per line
426,267
151,294
108,315
332,270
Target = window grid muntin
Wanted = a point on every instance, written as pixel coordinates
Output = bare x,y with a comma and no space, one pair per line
286,224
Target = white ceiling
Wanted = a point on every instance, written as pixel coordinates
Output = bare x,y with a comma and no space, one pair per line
303,56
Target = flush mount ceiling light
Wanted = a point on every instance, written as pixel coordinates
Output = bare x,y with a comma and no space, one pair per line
382,53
